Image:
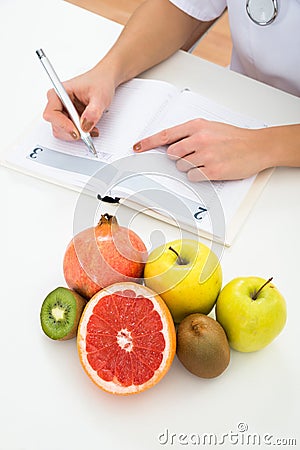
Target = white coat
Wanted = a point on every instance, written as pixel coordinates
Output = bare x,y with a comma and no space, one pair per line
269,53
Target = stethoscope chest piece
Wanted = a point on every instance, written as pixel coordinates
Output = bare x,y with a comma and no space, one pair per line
262,12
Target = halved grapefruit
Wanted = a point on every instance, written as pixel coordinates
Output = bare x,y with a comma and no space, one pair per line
126,338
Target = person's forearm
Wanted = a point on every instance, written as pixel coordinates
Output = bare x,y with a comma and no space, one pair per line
281,145
154,32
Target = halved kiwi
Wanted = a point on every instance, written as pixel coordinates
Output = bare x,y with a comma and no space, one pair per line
60,313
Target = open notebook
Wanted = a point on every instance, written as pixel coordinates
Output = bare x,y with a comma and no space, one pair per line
148,181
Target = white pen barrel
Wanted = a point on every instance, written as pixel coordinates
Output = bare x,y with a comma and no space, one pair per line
65,99
60,90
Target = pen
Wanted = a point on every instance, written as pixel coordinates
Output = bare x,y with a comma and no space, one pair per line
66,101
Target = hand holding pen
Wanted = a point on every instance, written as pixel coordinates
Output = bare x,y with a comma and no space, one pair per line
66,101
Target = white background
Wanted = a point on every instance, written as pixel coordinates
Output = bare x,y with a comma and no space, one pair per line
47,402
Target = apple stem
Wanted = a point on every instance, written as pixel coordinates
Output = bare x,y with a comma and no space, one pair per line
260,289
180,260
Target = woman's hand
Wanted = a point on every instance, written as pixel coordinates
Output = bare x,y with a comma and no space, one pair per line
154,32
91,94
212,150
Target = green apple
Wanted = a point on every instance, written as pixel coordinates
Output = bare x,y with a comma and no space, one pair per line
252,312
186,274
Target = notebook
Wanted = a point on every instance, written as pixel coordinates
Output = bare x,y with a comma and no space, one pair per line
148,182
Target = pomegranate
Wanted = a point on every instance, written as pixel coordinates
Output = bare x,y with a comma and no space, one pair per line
102,255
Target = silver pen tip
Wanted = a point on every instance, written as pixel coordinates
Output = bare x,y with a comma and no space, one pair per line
89,143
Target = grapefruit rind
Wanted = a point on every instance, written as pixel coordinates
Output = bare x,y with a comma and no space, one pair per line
168,331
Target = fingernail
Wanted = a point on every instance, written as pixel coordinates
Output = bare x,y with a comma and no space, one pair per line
74,135
94,133
86,125
137,147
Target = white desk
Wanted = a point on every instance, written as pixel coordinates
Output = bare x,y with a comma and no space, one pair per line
47,402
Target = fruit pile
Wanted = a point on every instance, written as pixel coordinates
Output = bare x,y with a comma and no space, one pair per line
132,311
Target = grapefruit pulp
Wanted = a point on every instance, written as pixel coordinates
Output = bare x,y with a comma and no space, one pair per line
126,338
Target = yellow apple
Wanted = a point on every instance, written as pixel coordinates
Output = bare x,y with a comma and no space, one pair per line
252,312
186,274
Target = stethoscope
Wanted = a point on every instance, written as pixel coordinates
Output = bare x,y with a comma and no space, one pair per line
262,12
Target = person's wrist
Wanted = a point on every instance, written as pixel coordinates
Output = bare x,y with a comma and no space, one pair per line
110,70
266,147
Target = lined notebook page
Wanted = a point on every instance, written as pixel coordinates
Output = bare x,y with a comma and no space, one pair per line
189,105
134,105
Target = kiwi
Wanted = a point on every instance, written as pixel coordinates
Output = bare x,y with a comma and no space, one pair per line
202,346
60,313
